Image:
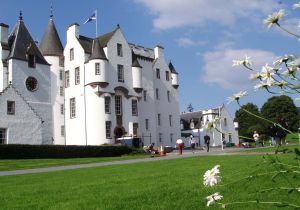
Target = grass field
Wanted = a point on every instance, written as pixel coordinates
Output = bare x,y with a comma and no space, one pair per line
167,184
272,149
7,165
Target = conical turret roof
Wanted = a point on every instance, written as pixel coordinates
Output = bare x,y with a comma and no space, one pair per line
172,69
97,51
51,44
21,44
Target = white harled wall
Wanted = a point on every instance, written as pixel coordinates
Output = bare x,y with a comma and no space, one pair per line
56,99
75,127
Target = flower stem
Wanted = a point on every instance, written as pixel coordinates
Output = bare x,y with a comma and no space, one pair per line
287,31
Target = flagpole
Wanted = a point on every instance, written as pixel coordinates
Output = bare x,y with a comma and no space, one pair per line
96,22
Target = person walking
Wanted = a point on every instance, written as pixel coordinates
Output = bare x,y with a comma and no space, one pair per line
207,142
256,138
272,133
179,143
192,143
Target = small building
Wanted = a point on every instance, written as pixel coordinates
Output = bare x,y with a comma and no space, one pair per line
215,122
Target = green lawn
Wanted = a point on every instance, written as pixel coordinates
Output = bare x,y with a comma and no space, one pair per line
7,165
167,184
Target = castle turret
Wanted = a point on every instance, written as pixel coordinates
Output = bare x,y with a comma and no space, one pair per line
136,74
174,76
52,50
97,66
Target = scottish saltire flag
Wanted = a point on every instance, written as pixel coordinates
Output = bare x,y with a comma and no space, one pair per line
93,17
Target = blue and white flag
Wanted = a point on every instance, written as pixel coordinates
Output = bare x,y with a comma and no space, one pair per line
93,17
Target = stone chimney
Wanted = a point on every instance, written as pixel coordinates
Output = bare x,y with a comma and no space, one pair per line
158,52
73,31
3,33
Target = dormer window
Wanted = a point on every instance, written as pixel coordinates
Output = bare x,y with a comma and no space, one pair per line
119,50
31,61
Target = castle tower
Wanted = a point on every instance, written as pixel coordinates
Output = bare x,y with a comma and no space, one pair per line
97,101
29,73
52,50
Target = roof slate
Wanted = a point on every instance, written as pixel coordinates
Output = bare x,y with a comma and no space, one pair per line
97,51
87,42
172,69
51,44
20,41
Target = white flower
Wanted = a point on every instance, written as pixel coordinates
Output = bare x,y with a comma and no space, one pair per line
255,76
211,177
281,83
267,73
297,5
245,62
284,59
213,198
261,85
274,18
237,96
294,65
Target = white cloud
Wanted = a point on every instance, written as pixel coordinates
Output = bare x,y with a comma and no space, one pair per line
178,13
218,69
187,42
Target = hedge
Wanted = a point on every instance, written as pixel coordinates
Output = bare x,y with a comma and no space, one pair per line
22,151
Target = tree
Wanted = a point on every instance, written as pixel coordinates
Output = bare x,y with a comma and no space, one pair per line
281,106
248,123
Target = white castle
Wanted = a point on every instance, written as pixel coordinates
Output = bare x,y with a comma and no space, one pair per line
91,92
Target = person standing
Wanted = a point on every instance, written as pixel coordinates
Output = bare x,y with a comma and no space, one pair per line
179,143
207,141
192,143
256,138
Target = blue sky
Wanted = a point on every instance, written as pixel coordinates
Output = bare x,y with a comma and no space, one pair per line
200,37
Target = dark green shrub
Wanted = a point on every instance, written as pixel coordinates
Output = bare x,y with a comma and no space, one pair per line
22,151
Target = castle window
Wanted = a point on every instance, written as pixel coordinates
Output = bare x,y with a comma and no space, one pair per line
11,107
62,109
134,106
119,50
31,84
158,119
118,105
2,136
145,95
167,76
97,68
61,91
170,120
168,96
61,61
157,93
67,79
77,76
107,104
158,73
71,54
62,130
61,73
171,137
160,137
108,129
225,122
120,73
72,108
147,124
31,61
